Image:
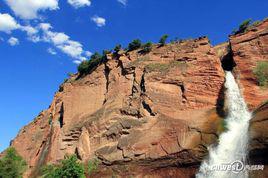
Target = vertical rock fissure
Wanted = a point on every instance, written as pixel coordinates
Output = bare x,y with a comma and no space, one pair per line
184,98
142,84
148,108
106,74
135,89
143,95
61,116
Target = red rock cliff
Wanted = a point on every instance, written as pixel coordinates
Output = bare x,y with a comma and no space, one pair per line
248,49
154,114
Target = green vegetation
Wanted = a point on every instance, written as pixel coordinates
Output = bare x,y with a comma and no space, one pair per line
92,166
265,102
70,74
243,27
87,66
223,125
147,47
117,48
164,67
69,167
50,120
138,61
12,165
135,44
105,52
257,22
163,40
261,73
159,67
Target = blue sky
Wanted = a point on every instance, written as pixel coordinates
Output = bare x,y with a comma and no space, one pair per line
41,42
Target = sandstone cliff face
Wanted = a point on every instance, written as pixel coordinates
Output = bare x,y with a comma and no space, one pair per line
134,109
248,49
152,114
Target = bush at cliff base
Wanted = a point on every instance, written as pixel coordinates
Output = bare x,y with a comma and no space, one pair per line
12,165
69,167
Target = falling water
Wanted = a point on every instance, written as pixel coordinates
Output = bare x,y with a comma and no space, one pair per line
233,143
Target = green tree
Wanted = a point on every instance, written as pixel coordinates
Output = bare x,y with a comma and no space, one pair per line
117,48
69,167
83,67
12,165
88,66
95,58
163,40
146,48
135,44
49,171
261,73
105,52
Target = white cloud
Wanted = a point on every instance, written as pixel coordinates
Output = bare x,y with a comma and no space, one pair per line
100,21
51,51
43,33
79,3
58,38
63,42
8,23
29,9
88,53
45,26
124,2
13,41
77,62
29,30
72,48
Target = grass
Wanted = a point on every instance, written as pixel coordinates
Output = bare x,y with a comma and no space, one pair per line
164,67
157,67
138,61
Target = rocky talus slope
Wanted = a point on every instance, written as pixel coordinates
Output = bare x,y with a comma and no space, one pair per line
150,114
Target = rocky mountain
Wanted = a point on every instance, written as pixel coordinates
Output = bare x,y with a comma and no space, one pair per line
152,114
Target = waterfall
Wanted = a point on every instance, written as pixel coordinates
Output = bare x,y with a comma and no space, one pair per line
233,143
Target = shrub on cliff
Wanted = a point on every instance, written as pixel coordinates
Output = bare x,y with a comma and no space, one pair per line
163,40
261,73
12,165
117,48
88,66
147,47
135,44
83,67
243,26
69,167
92,166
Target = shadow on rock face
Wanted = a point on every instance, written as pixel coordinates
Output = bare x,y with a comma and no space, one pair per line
227,61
